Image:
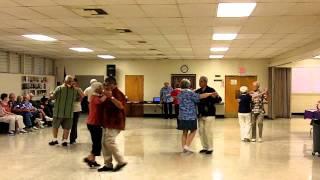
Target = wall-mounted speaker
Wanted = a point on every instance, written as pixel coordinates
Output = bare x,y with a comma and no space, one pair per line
111,70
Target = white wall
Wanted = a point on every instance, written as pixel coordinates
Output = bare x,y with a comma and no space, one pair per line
11,83
300,102
158,71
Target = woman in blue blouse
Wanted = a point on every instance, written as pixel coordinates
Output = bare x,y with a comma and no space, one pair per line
188,113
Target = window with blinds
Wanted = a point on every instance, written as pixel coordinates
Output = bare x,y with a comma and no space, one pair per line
49,66
28,63
4,62
38,65
15,63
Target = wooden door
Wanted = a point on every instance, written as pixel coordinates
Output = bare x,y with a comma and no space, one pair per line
232,86
134,85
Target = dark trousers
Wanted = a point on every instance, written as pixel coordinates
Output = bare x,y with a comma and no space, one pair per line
167,108
96,137
74,129
176,111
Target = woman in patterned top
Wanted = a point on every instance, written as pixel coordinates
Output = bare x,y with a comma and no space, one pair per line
188,113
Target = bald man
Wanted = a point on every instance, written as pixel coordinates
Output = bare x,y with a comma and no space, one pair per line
65,96
257,114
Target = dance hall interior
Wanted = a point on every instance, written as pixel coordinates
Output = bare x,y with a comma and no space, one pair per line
160,89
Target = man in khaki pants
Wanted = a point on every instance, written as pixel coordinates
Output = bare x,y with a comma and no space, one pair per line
113,123
207,113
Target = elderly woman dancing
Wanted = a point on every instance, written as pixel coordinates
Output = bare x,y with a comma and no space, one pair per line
94,123
188,114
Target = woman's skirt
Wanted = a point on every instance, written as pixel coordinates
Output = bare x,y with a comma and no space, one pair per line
187,125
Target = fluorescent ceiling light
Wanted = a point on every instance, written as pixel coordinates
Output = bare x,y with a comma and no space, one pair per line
219,49
216,56
224,37
235,9
317,57
81,49
106,56
39,37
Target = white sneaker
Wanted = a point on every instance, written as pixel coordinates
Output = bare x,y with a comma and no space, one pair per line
253,140
49,118
260,140
35,128
23,131
187,149
41,126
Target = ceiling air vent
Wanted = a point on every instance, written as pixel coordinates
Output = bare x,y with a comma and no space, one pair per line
96,12
142,42
124,30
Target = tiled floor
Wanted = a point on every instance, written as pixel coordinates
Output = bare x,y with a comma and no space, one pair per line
152,148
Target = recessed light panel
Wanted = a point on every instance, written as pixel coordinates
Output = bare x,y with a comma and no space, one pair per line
39,37
224,37
81,49
235,9
216,56
106,57
219,49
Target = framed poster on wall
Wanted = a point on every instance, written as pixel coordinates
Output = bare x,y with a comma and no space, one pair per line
176,78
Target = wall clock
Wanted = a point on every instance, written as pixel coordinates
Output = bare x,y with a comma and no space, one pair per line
184,68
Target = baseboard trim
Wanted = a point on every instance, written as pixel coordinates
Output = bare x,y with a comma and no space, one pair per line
297,114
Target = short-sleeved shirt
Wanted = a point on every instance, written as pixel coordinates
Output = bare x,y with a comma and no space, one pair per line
95,113
6,107
65,98
257,102
88,92
206,106
165,94
27,105
244,103
188,104
113,117
175,94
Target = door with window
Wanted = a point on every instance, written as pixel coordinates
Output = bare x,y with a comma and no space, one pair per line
232,91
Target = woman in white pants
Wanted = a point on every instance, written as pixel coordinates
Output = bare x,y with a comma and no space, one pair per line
244,114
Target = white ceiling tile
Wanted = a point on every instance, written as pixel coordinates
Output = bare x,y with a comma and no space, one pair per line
128,11
161,10
75,2
156,2
35,2
163,22
56,12
23,13
198,10
199,21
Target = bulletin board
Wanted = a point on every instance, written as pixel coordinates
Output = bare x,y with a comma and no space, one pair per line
176,78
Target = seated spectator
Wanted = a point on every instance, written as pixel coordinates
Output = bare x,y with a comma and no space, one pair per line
47,111
12,99
26,109
15,121
38,113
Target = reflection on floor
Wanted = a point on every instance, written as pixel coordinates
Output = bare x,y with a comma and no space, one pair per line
152,148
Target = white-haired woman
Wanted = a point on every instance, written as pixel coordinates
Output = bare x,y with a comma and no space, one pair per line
94,123
244,114
188,113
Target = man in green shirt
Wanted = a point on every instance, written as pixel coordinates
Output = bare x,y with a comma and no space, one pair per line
64,95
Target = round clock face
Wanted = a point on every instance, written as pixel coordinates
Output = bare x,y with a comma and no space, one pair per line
184,68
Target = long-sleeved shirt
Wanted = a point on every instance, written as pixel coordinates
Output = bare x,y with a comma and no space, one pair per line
165,94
